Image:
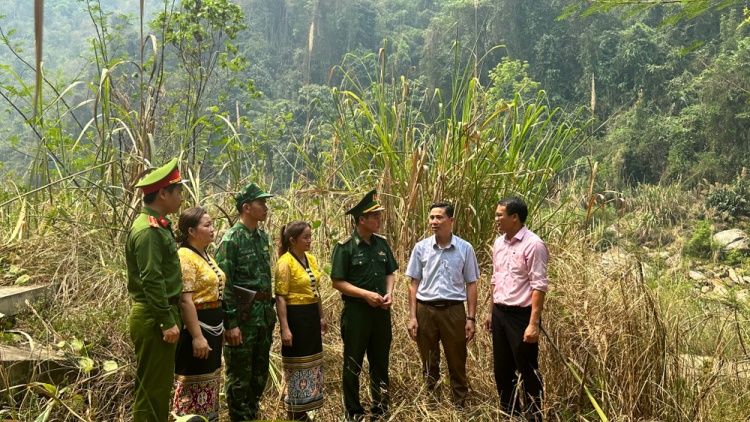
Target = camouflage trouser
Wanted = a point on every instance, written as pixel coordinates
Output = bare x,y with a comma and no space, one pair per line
247,372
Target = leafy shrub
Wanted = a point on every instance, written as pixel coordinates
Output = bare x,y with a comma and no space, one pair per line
700,245
729,200
735,257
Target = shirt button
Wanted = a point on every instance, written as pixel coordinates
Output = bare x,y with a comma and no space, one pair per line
376,273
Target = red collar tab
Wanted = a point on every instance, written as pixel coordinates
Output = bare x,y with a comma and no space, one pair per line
172,178
163,221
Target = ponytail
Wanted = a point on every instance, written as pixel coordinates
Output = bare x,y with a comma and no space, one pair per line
283,243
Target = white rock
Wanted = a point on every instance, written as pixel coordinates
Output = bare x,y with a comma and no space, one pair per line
719,291
705,289
734,239
742,295
696,275
733,275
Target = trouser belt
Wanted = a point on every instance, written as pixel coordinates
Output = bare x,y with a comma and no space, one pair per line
518,309
440,303
346,298
208,305
263,296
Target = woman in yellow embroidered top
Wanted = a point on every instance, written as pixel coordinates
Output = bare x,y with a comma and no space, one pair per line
198,355
301,320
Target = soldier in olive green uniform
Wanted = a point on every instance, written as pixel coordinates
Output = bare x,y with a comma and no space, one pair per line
155,285
362,270
244,255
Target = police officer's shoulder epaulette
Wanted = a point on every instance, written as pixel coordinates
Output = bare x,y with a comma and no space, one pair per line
345,240
153,222
380,236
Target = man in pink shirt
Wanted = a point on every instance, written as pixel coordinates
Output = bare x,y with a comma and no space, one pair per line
519,284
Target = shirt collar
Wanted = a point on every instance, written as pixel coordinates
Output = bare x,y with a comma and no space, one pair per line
150,212
358,239
518,237
163,222
435,245
252,233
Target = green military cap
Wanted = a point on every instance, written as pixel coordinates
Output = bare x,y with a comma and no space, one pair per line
368,204
249,193
160,178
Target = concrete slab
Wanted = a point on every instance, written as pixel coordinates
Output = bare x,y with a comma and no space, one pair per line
13,298
23,366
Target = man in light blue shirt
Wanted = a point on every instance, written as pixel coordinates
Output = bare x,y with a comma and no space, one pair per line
443,270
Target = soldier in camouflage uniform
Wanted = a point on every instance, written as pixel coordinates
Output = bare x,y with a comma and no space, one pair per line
244,255
155,285
362,267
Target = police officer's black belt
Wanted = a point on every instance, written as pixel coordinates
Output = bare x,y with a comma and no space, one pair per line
519,309
440,303
346,298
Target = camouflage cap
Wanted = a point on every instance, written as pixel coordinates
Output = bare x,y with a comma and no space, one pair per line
368,204
249,193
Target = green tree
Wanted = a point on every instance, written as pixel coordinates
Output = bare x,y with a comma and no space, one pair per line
200,33
509,78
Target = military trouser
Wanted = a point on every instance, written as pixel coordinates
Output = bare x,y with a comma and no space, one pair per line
154,365
365,329
247,372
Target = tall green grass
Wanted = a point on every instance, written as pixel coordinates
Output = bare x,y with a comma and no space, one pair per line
417,148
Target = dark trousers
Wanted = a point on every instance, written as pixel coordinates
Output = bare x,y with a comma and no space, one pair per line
365,330
513,356
446,325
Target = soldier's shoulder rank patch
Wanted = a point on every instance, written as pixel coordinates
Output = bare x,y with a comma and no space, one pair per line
152,221
380,236
345,241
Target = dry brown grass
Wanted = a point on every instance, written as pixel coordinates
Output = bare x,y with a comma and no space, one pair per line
626,335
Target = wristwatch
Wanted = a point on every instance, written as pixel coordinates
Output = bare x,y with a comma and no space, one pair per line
471,318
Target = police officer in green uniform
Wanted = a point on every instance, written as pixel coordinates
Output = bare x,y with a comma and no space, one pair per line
155,285
244,254
362,270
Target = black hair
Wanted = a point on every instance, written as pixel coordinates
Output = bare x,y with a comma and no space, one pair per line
151,197
444,205
292,230
515,205
189,219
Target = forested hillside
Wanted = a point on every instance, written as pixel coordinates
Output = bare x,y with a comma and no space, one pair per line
670,99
